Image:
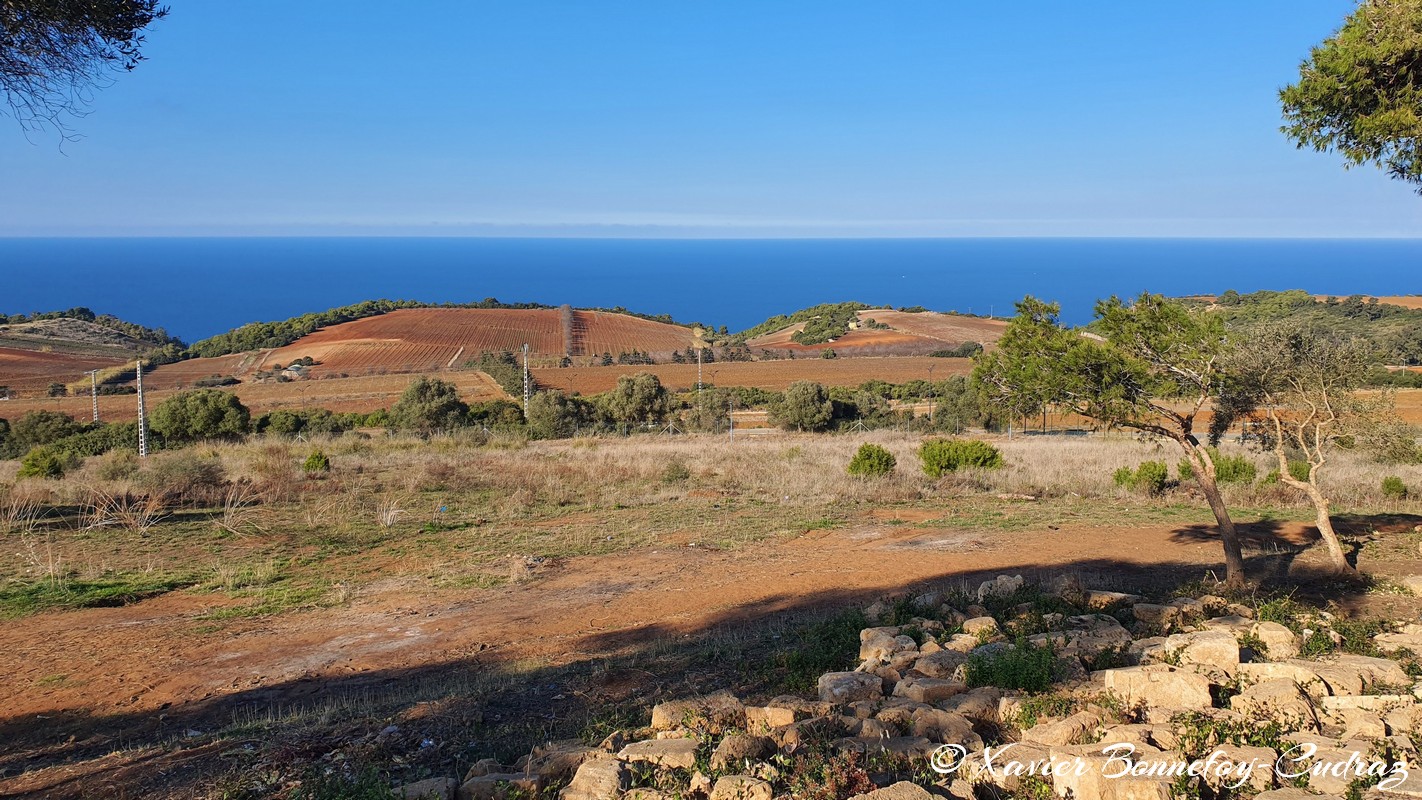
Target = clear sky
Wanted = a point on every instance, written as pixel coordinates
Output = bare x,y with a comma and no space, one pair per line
706,118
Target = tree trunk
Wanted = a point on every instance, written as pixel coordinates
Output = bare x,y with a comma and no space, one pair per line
1326,532
1204,468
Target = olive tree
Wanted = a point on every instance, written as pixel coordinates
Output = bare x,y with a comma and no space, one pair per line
430,405
1297,388
201,414
638,400
806,406
1150,365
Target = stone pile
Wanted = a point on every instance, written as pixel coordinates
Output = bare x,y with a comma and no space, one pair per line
1175,672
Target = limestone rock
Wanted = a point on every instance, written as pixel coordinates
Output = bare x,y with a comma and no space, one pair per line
739,748
944,727
498,786
1100,598
903,790
1000,586
1159,686
981,626
671,753
941,664
1076,729
1256,762
741,787
1413,583
599,779
928,690
762,719
712,714
432,789
1210,648
846,687
1279,700
1280,643
1157,615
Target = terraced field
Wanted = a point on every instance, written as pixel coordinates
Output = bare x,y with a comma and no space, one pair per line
908,334
27,372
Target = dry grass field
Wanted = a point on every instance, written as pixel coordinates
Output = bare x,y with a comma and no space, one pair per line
771,375
484,594
363,394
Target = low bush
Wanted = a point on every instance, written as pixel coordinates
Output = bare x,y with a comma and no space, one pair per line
1393,488
872,460
1151,477
941,456
45,462
1026,667
184,477
676,471
119,465
316,462
1228,469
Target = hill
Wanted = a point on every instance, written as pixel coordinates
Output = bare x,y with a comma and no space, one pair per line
1393,327
410,340
37,350
873,332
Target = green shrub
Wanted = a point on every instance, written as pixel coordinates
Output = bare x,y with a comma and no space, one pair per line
1298,470
1393,488
1151,477
1026,667
946,455
871,460
43,462
676,471
1228,469
316,462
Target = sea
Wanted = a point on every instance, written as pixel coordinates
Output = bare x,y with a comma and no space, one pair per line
197,287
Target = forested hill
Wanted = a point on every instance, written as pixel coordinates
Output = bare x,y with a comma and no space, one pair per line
1394,329
128,335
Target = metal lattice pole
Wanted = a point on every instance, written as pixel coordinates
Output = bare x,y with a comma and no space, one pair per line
142,417
94,391
698,372
527,382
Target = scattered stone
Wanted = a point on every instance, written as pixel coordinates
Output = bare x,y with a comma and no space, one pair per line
944,727
928,690
903,790
1076,729
762,719
713,714
671,753
741,787
1280,643
432,789
498,786
1279,700
941,664
1100,598
599,779
1001,586
846,687
1158,685
1191,609
981,626
737,749
1413,583
1157,615
1209,648
1257,762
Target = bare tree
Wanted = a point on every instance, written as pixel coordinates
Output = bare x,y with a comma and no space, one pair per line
53,52
1297,389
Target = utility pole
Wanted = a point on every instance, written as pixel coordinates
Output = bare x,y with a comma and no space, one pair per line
142,416
698,373
527,382
732,418
930,394
94,391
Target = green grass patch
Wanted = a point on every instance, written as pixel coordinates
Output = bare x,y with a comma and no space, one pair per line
23,599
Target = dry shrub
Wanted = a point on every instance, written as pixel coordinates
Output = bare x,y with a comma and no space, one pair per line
276,475
132,513
185,478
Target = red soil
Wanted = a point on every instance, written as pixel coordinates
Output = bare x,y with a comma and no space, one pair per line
30,371
908,334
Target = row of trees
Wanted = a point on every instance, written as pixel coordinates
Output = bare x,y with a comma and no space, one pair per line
1156,366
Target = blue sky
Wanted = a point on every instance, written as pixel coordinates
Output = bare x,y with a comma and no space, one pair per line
724,118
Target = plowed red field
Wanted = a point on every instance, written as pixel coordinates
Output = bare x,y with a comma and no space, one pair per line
772,375
908,334
364,394
30,371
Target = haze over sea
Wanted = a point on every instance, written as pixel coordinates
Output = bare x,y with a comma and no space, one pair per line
197,287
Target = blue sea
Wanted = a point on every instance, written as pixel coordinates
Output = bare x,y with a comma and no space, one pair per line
197,287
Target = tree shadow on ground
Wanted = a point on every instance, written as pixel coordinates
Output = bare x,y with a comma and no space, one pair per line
451,713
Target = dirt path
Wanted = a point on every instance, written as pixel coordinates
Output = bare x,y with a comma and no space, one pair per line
155,655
